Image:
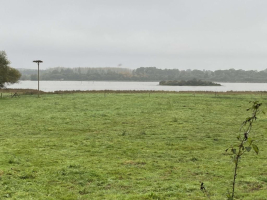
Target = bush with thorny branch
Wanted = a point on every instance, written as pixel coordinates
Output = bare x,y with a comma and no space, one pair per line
245,144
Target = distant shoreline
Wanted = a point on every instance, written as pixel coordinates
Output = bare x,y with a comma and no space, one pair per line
144,74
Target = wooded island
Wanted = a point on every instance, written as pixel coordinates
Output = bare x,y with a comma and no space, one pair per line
193,82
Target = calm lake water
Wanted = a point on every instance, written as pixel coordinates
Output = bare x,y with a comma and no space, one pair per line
51,86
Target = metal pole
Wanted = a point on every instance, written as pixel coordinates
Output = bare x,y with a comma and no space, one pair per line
38,79
38,61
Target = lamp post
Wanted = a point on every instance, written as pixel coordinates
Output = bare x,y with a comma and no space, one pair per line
38,61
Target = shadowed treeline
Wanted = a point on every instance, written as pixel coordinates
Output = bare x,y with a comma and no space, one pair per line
144,74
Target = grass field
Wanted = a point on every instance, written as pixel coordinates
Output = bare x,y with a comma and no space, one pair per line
128,146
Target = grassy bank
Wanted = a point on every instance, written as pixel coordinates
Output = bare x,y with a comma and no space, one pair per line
127,146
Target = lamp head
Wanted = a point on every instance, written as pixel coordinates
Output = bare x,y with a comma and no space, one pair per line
38,61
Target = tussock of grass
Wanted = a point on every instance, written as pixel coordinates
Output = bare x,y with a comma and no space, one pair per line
126,146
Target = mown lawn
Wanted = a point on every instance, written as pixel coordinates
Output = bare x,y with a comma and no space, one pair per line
128,146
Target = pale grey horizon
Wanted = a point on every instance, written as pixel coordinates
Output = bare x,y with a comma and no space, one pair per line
182,34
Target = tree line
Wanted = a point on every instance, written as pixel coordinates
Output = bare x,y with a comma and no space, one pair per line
144,74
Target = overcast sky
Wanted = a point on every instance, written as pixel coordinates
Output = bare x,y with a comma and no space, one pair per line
183,34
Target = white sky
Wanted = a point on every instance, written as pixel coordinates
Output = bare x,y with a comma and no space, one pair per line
183,34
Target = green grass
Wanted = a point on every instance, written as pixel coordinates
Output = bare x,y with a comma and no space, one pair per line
127,146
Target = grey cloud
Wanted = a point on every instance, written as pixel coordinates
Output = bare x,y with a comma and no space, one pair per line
165,34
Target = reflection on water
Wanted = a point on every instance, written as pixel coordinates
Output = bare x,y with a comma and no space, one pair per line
51,86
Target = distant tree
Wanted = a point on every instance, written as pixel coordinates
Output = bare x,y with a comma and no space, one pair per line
8,75
144,74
